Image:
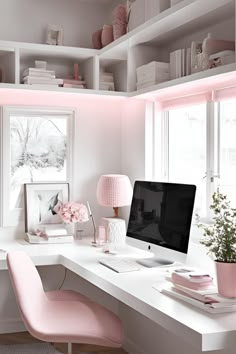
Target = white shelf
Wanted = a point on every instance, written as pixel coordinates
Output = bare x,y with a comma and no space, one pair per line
51,88
175,21
33,49
200,82
122,56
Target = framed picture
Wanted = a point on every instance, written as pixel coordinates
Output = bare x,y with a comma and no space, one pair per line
42,201
55,35
36,147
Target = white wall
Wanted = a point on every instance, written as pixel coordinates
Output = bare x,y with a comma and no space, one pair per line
97,142
133,139
27,20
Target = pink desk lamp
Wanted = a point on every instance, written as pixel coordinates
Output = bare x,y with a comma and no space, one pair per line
114,191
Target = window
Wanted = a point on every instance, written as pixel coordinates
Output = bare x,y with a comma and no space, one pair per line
36,147
184,160
227,149
197,145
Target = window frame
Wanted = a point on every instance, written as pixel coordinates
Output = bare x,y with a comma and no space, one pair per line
161,148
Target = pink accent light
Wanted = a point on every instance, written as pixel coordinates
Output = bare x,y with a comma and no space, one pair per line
114,190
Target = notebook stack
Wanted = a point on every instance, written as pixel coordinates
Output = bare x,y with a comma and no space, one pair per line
196,288
152,74
72,83
106,81
50,235
39,76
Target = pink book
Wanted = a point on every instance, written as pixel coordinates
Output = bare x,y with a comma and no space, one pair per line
192,280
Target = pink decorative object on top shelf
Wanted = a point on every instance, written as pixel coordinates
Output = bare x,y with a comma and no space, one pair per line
107,35
97,39
120,21
72,212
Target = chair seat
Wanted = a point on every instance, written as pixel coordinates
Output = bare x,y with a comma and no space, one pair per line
78,320
66,295
60,315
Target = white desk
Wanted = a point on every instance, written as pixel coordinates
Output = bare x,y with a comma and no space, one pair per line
204,331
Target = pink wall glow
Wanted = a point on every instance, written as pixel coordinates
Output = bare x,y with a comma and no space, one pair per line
53,99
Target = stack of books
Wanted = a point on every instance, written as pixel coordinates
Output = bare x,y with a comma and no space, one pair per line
106,81
39,76
152,73
50,235
180,63
197,289
73,83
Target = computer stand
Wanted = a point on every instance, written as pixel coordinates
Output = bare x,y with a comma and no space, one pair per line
155,262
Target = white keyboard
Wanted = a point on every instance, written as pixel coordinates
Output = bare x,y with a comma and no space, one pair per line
120,265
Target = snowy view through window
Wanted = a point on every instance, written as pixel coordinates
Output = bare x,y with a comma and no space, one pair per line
38,153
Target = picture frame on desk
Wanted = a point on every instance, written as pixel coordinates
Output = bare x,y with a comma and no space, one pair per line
42,201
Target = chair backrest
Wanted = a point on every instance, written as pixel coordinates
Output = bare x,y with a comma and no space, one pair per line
27,286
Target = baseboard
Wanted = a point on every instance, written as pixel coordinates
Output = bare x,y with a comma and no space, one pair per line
12,325
132,348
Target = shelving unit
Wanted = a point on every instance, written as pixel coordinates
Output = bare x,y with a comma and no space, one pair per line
204,81
153,40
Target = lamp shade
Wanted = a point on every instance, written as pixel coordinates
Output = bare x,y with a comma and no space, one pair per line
114,191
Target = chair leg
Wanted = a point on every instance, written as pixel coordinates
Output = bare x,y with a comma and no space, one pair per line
69,348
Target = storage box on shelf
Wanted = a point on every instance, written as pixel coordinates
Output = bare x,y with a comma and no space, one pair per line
221,58
152,74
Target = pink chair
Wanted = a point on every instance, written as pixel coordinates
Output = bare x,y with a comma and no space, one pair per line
62,315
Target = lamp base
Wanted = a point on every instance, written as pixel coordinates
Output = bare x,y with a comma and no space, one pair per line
116,231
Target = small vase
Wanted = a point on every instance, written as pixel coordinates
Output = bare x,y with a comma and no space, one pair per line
107,35
226,279
97,39
119,29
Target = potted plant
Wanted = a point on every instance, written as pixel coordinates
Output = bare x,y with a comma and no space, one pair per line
220,239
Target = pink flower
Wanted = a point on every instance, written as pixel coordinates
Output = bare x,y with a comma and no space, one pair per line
72,212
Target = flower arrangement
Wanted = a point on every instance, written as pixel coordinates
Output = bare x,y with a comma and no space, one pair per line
72,212
220,237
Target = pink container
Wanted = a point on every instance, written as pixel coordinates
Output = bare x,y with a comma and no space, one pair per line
119,29
107,35
97,39
226,279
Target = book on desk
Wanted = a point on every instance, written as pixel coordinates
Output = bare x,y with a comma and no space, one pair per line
202,294
31,238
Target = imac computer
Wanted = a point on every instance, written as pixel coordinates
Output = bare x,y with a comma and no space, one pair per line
160,220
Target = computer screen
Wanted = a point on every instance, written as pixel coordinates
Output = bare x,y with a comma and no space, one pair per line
161,214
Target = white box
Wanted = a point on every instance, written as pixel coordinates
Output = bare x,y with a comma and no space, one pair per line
39,64
156,75
154,7
152,67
